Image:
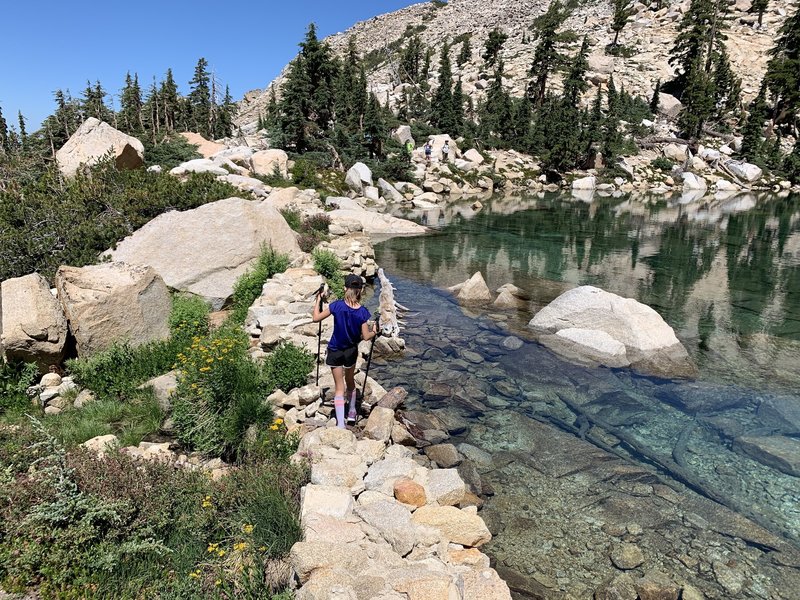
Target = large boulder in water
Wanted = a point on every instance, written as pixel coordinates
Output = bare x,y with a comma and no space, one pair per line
114,302
650,345
205,250
93,141
33,327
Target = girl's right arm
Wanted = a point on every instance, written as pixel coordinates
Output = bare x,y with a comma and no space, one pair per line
318,315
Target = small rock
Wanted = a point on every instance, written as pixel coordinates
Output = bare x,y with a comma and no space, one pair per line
444,455
627,556
101,444
84,397
410,492
656,586
50,380
379,424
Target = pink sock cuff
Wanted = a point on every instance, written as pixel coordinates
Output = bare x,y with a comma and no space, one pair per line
338,400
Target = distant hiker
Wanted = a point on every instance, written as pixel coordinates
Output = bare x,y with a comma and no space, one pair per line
410,147
350,325
445,150
428,151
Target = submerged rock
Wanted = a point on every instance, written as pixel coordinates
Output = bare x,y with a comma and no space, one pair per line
779,452
472,291
649,343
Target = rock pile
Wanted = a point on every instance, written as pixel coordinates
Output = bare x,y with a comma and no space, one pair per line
378,525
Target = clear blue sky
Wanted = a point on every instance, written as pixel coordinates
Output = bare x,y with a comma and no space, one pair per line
46,45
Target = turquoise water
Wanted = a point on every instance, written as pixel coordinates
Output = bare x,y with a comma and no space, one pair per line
724,275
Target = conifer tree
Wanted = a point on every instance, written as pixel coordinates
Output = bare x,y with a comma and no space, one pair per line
753,127
493,47
169,102
623,10
199,100
374,127
23,133
727,86
131,106
520,134
613,96
442,110
152,112
547,57
4,140
575,81
225,113
655,100
458,107
759,7
496,111
791,165
702,28
783,70
465,55
94,102
411,60
351,91
293,107
321,73
698,100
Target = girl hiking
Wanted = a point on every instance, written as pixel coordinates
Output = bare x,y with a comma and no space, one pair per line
350,326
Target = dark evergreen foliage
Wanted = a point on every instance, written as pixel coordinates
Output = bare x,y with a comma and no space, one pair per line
623,10
548,56
783,70
493,47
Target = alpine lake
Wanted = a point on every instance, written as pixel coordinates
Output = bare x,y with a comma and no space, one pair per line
578,465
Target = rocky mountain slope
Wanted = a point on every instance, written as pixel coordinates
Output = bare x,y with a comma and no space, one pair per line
649,33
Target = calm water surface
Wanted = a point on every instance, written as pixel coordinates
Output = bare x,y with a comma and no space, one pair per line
725,275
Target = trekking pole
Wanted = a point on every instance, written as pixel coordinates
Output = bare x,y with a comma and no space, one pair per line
369,357
320,292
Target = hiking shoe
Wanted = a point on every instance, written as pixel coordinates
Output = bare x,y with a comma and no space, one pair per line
351,417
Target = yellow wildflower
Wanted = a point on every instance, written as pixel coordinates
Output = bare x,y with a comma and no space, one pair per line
205,369
220,553
262,548
209,360
273,427
278,421
218,582
213,547
248,529
239,546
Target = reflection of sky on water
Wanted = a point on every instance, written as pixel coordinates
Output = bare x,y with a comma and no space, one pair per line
725,272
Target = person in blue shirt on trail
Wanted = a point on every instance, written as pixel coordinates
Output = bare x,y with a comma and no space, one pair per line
350,325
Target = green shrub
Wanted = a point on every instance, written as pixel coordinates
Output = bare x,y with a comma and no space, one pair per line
662,163
293,218
15,378
47,221
114,374
170,152
77,526
220,393
327,264
288,366
248,286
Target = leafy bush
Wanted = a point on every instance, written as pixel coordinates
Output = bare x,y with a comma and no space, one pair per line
293,218
313,230
662,163
319,222
47,221
248,286
220,393
76,526
275,443
288,366
327,264
115,374
170,152
15,378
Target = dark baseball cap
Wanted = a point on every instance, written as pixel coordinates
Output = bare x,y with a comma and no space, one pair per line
353,281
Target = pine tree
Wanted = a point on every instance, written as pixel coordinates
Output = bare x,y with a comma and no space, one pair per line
575,81
293,107
458,107
94,102
655,101
199,99
374,127
442,110
791,166
727,86
753,127
169,101
623,10
225,113
131,106
411,60
351,91
759,7
492,48
321,73
783,70
23,133
465,55
496,111
701,29
4,140
547,57
520,134
613,96
698,100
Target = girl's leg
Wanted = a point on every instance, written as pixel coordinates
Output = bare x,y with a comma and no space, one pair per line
350,395
338,395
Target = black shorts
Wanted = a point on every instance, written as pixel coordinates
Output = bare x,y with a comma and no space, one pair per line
342,358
